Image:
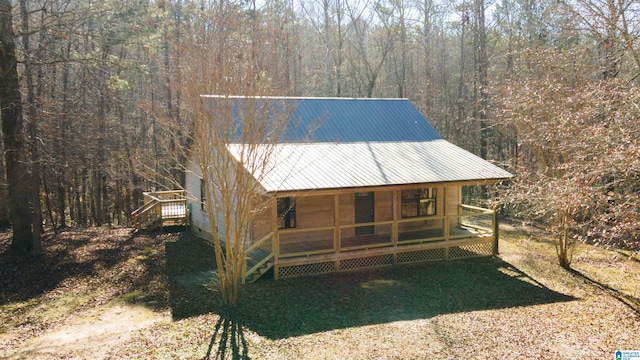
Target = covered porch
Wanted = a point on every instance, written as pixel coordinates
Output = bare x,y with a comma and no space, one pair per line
331,236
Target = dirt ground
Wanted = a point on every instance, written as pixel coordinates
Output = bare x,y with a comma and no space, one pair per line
91,336
108,294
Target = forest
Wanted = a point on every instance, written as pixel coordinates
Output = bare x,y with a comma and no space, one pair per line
94,110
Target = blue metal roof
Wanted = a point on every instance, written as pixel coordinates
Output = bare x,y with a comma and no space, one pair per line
345,120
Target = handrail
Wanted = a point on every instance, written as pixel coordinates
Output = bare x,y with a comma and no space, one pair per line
143,212
479,209
306,253
421,218
297,230
258,243
144,208
479,228
257,266
349,226
327,228
253,247
166,192
474,211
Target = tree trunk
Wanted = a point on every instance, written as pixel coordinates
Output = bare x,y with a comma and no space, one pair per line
4,203
481,75
32,112
13,135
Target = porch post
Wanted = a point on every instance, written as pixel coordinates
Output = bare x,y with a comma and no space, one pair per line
336,228
446,223
496,236
275,237
394,226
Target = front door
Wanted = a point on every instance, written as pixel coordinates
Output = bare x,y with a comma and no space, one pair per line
364,212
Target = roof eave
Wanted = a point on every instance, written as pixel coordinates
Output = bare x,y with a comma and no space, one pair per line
384,187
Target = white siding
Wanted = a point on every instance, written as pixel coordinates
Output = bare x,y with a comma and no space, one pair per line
199,219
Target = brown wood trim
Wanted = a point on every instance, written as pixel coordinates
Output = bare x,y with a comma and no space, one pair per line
318,192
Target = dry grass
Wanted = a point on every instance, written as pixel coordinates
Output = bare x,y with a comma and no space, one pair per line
520,305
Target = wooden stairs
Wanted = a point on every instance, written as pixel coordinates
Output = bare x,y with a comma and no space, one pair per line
161,208
257,264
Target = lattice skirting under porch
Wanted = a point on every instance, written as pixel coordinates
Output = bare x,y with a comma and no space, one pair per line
367,262
421,256
306,269
473,250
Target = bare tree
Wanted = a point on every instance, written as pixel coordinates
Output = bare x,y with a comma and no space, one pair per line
372,42
227,63
578,165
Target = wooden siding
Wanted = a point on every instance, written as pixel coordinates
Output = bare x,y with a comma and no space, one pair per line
317,212
314,211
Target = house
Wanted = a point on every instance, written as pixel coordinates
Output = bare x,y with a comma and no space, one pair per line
373,185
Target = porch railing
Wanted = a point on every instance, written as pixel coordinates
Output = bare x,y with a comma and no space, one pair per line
424,237
258,254
480,220
470,222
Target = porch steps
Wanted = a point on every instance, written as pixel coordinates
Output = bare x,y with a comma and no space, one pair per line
149,224
252,260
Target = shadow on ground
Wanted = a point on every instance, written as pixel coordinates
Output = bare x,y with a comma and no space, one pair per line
306,305
73,256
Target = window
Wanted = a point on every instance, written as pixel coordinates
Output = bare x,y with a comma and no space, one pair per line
286,213
418,202
203,195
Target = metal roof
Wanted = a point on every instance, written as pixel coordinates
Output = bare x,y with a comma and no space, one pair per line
335,143
314,166
336,119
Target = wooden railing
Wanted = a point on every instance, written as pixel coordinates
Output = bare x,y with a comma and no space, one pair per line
259,253
161,208
472,231
478,219
470,222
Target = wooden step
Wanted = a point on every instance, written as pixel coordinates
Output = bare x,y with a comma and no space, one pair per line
259,272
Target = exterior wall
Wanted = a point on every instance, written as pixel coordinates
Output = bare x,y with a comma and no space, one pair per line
311,212
383,211
383,205
314,211
262,224
419,239
317,211
199,220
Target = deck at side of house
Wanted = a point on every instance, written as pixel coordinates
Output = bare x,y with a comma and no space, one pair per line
161,208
